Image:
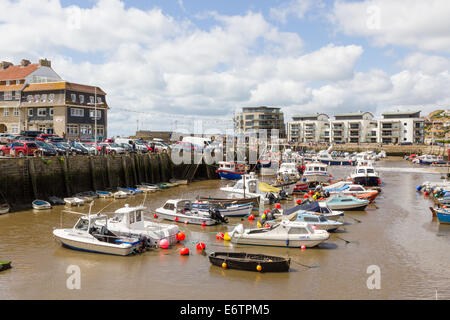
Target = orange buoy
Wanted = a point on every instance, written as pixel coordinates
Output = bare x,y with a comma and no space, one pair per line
219,236
306,196
299,201
184,251
259,268
303,247
181,236
186,222
224,265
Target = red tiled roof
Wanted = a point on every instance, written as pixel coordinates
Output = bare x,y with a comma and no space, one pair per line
50,86
17,72
83,88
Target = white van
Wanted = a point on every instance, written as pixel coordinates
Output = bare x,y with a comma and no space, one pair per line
199,141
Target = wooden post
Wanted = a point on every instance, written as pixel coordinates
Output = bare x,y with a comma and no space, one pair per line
133,167
92,173
108,171
125,171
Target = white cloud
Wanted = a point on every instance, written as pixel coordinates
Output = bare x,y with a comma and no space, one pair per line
414,23
296,8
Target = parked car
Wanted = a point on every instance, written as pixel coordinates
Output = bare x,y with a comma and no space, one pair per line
186,146
60,149
89,147
127,147
46,149
33,134
112,148
78,148
45,136
21,148
160,146
55,139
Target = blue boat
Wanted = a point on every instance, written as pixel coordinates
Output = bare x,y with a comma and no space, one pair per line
347,203
443,215
317,220
230,170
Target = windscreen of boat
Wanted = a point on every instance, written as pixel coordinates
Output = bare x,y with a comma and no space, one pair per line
82,225
298,230
323,219
370,171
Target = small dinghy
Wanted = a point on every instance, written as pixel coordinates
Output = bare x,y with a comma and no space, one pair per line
224,201
5,265
120,195
347,203
88,196
41,205
149,186
443,215
74,201
4,208
231,210
179,182
56,201
103,194
249,261
146,189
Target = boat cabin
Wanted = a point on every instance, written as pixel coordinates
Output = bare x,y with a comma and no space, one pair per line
316,167
178,206
129,216
232,166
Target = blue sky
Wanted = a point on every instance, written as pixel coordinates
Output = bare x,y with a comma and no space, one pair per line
186,60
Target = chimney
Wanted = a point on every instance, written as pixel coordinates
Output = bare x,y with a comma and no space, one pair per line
45,63
5,64
25,62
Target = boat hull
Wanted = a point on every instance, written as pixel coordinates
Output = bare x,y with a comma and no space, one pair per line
366,181
273,242
443,217
185,218
229,175
238,211
348,207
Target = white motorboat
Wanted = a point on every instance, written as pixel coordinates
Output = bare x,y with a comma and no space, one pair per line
288,172
316,207
178,181
181,210
92,235
130,222
365,175
104,194
284,234
347,203
120,195
4,208
249,186
146,188
347,188
74,201
41,205
316,172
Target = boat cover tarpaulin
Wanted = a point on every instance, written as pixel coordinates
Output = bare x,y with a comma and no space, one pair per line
264,187
307,206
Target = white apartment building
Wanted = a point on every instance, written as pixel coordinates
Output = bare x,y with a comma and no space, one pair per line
360,127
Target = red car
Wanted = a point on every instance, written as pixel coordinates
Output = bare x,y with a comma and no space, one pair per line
45,136
21,148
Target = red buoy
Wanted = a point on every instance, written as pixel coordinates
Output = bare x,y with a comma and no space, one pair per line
303,247
176,218
299,201
201,246
184,251
306,196
278,206
203,224
181,236
155,216
251,217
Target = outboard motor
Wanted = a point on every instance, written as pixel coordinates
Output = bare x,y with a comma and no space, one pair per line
215,215
271,198
283,194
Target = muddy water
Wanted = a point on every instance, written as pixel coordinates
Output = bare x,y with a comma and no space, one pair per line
398,234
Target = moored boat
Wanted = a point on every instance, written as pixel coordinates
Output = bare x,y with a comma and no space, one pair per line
120,195
231,210
226,201
5,265
103,194
41,205
347,203
4,208
443,215
74,201
231,170
284,234
315,172
56,201
249,261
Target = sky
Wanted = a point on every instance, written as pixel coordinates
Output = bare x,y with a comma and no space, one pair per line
167,64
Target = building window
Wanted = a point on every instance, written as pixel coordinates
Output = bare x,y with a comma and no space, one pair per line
8,82
8,95
85,130
17,81
72,130
50,112
42,127
17,95
99,99
16,112
37,97
92,114
73,97
74,112
51,97
6,112
91,99
44,97
42,112
81,97
29,98
100,131
30,112
14,129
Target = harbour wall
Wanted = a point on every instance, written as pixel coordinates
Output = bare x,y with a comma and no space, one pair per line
23,180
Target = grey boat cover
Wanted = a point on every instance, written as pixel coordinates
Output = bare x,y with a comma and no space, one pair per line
306,205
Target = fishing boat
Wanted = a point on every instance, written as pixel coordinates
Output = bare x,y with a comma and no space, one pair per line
231,170
41,205
74,201
120,195
269,163
104,194
318,221
315,172
288,172
369,195
249,261
92,235
250,186
4,208
230,210
348,188
56,201
181,210
284,234
429,159
223,201
347,203
365,175
443,215
130,222
5,265
325,157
